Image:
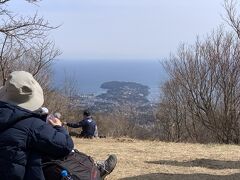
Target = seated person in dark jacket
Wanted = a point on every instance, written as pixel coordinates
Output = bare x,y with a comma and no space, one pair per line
24,134
88,125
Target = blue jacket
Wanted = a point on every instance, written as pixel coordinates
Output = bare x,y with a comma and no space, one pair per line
88,126
24,138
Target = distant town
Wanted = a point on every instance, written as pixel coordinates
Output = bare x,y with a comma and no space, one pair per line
128,97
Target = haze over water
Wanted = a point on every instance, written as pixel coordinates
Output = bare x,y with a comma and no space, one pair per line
92,73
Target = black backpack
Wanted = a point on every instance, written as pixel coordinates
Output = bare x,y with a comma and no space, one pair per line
78,165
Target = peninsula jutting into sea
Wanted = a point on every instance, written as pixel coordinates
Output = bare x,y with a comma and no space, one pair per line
88,76
120,95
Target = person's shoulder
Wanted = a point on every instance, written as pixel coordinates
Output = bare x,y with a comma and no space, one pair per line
87,120
29,123
36,122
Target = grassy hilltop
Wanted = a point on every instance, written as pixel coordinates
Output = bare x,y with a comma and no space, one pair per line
153,160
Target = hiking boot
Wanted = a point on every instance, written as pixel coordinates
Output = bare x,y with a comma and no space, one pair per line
107,166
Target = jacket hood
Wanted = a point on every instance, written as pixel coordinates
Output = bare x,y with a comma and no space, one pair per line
11,114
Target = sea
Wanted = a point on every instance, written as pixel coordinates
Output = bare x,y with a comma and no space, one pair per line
88,75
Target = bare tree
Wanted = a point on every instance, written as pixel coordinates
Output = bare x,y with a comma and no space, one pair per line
232,17
203,93
24,39
207,75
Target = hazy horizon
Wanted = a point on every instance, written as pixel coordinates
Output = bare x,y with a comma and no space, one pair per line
89,75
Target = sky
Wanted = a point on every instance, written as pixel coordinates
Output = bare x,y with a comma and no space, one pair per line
124,29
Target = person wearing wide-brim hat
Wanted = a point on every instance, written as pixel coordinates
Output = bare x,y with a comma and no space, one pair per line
24,134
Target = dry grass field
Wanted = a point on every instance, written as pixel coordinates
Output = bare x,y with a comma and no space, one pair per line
153,160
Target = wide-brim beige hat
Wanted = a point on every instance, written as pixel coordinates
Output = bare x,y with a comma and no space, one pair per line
22,90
